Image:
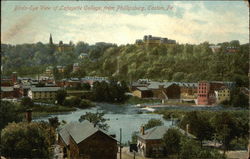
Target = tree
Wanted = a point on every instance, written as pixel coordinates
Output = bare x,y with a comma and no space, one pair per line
26,140
27,102
238,99
9,113
96,119
85,104
199,125
86,86
190,149
54,122
153,123
225,127
171,140
134,137
60,96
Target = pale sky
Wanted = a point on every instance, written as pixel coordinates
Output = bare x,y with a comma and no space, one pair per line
187,22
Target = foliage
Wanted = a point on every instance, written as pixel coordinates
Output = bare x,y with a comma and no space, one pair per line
226,128
178,62
27,140
172,139
60,96
134,137
199,125
9,112
109,92
190,149
72,101
85,104
86,86
27,102
54,122
153,123
95,118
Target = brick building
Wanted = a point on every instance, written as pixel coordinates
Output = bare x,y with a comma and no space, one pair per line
206,91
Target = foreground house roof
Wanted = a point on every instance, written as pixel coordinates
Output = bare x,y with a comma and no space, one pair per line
79,131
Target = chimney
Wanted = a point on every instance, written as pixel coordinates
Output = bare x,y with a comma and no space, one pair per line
28,115
142,130
187,129
14,77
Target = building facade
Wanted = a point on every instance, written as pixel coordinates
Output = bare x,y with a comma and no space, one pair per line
43,92
206,91
84,141
222,94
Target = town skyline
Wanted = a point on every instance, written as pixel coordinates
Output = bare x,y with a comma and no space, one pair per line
185,22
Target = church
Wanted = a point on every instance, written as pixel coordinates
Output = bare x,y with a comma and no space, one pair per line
61,47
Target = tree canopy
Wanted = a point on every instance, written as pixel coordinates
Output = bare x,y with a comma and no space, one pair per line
96,119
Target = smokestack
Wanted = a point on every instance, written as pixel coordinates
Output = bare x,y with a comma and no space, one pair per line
142,130
187,129
28,115
14,77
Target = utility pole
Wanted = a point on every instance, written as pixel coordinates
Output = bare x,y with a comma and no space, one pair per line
120,143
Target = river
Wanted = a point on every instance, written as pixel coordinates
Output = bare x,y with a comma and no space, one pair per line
127,117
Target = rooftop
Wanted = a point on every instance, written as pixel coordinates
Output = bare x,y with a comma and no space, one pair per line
79,131
44,89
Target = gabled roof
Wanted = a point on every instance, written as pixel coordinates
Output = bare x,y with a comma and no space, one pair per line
79,131
157,133
64,132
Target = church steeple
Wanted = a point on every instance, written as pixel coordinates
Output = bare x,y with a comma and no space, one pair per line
50,40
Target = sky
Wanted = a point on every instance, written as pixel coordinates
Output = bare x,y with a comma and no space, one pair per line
123,22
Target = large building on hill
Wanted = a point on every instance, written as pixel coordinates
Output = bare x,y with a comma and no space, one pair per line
152,40
61,47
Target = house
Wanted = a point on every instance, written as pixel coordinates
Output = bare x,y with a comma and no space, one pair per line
215,48
158,90
43,92
188,90
9,80
7,92
90,80
76,67
83,56
49,71
83,140
60,69
206,91
150,143
222,94
142,92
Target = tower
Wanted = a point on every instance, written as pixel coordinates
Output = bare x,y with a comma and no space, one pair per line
50,40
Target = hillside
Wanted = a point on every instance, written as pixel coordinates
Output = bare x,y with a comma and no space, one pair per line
176,62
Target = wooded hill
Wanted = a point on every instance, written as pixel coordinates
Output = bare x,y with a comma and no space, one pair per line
176,62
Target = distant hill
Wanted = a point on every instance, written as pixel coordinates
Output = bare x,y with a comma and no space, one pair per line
175,62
